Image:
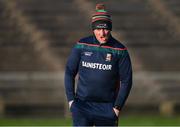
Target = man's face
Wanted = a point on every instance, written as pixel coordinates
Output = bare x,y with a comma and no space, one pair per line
102,35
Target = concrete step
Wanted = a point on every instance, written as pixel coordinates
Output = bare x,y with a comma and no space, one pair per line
47,7
159,58
173,5
31,88
153,88
18,58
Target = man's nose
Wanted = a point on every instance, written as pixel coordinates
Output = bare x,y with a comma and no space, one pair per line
102,32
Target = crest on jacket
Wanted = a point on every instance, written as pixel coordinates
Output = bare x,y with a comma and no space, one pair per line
108,57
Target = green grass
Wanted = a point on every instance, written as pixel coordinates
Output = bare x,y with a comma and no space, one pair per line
152,120
135,120
35,122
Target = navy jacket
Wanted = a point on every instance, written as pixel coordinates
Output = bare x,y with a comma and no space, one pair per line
104,72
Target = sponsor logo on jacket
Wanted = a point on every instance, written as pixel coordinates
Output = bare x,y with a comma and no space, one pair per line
97,66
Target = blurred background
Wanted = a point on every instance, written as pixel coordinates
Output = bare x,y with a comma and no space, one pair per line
36,37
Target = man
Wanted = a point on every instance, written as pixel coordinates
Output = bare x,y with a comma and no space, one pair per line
104,75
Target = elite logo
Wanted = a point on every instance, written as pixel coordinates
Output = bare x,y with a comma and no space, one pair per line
88,53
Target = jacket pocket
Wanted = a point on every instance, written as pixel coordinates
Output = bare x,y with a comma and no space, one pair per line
72,105
114,113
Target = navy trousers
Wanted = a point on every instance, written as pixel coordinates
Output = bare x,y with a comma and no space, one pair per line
93,114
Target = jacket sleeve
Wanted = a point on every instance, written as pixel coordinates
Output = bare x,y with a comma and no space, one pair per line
71,70
125,73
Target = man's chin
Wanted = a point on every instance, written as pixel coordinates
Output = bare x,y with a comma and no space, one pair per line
102,42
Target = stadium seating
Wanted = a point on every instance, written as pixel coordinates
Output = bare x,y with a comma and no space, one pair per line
36,37
21,57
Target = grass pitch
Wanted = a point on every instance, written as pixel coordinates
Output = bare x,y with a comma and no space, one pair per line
134,120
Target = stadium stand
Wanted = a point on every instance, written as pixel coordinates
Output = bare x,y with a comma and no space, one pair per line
36,37
27,58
